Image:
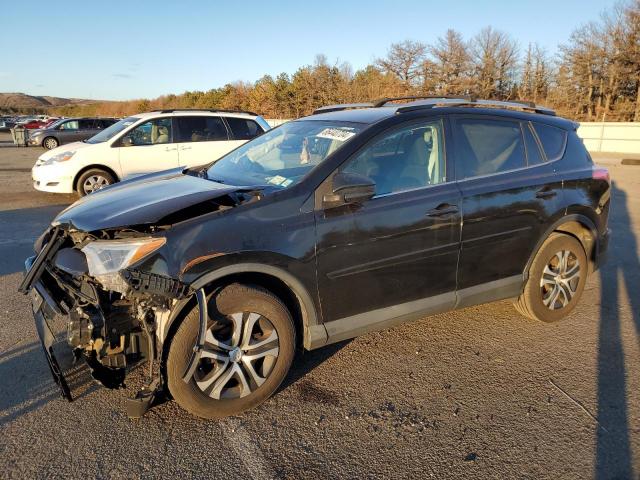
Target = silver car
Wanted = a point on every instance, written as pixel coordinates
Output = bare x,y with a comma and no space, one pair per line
68,130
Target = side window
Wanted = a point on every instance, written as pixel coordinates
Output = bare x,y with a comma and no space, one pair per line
534,157
70,125
243,128
553,140
153,132
87,124
404,159
201,129
486,146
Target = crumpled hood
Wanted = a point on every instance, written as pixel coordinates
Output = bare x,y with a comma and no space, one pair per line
142,200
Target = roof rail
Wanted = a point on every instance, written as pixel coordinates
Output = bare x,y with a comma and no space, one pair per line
453,102
342,106
383,101
430,101
219,110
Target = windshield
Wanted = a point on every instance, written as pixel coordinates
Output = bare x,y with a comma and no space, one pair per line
281,157
55,124
113,130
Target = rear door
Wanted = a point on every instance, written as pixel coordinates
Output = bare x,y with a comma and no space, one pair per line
153,148
242,130
201,139
510,194
88,128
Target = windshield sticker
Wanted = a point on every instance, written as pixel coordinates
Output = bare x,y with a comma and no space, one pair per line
339,134
277,180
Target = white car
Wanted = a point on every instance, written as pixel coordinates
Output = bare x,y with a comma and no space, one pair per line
144,143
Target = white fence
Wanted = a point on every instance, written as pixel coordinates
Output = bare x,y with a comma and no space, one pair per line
611,137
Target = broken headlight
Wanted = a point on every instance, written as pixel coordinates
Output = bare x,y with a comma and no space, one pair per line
106,258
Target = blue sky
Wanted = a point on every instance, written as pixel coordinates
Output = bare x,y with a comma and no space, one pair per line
114,49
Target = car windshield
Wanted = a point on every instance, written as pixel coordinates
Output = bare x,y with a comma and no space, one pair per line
282,156
113,130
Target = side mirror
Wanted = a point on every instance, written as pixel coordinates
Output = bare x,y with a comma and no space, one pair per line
349,188
127,141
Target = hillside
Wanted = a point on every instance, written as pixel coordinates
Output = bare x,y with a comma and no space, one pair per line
22,100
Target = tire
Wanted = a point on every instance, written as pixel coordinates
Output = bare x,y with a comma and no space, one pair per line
214,391
93,180
50,143
556,280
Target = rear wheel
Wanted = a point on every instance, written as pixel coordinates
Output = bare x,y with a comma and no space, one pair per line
93,180
249,347
556,279
50,143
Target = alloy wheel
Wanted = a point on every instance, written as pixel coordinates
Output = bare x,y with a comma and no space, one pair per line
240,352
94,183
560,280
50,143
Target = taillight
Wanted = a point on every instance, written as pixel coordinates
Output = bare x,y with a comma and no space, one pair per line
599,173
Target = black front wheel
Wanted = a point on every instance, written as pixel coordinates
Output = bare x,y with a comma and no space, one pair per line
249,347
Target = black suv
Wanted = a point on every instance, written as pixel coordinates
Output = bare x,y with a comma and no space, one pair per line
353,219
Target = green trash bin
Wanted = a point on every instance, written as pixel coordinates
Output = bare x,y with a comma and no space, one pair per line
19,135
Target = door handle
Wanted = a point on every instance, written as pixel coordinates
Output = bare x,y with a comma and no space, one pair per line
167,149
442,210
546,193
185,148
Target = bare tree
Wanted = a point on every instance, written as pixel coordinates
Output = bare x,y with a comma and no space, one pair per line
495,60
448,69
405,60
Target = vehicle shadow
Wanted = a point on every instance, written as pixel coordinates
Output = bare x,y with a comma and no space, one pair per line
306,361
27,384
613,450
18,230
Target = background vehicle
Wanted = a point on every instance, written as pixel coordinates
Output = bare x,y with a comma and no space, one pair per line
144,143
38,123
352,220
69,130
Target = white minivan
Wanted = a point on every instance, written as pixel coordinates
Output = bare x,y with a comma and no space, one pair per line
144,143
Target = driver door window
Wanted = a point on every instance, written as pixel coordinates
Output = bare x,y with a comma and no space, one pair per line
153,132
70,125
407,158
152,148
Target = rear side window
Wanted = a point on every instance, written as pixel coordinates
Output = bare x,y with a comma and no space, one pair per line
487,146
243,128
534,156
553,140
201,129
87,124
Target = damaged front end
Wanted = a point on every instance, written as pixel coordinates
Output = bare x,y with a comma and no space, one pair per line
110,307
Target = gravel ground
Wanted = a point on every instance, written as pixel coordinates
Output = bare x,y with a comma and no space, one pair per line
476,393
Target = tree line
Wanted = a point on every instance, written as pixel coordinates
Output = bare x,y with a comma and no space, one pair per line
594,76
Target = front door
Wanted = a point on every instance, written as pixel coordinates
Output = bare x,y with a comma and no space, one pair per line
69,131
152,148
396,253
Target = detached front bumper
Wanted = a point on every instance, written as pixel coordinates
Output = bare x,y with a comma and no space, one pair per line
57,353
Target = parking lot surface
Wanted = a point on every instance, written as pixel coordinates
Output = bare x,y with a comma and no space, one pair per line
476,393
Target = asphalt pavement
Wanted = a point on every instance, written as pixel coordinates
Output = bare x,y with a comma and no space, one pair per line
477,393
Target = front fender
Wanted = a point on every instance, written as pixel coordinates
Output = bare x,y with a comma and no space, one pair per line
314,333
